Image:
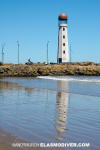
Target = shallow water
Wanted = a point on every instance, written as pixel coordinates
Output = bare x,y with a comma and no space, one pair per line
51,110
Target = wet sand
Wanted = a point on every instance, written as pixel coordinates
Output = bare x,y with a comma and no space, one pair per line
49,111
6,140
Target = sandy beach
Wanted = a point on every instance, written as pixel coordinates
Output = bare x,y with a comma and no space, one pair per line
6,140
49,110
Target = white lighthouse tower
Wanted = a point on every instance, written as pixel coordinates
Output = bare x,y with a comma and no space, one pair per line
63,53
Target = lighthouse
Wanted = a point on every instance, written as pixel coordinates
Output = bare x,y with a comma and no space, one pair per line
63,53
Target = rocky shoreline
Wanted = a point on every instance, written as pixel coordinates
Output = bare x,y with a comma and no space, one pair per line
34,70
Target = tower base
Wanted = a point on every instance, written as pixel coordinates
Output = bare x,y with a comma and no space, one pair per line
59,60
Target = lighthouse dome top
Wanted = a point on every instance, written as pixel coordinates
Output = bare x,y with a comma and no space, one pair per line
62,17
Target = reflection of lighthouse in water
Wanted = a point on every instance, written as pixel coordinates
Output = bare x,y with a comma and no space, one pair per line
61,110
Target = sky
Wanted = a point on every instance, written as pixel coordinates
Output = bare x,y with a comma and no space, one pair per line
34,22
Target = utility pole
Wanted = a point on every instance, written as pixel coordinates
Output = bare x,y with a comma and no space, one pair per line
18,50
2,47
70,53
47,51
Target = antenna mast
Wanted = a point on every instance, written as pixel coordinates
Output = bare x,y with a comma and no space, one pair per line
70,53
18,50
2,47
47,51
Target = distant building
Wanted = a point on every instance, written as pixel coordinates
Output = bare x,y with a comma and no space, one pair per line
63,53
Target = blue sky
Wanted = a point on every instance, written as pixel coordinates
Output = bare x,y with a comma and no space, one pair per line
34,22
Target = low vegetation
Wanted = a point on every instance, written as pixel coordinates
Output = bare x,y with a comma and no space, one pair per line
25,70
